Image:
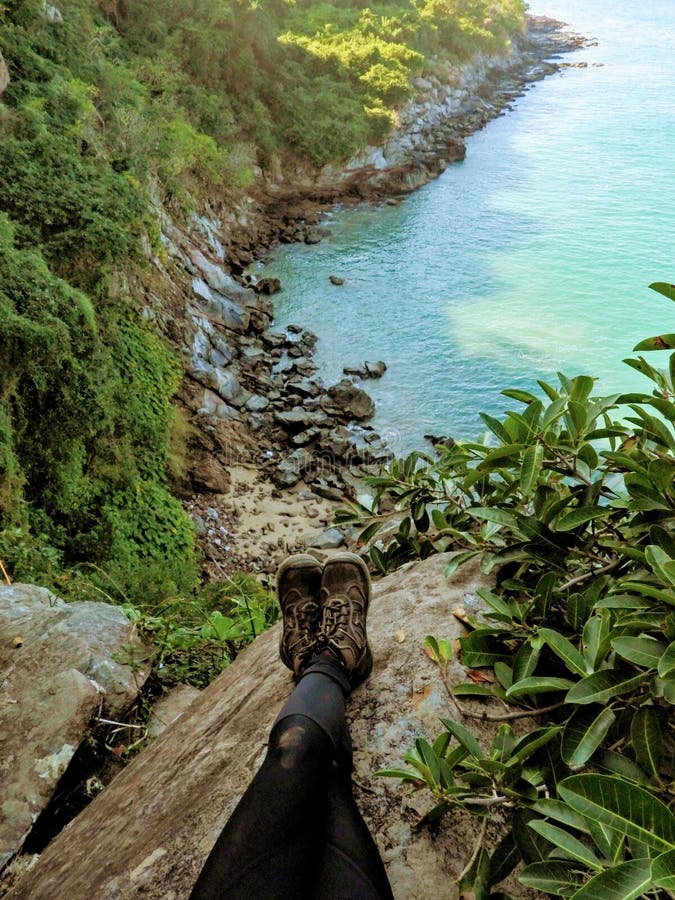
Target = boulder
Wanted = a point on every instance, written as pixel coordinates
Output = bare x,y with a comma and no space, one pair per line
221,309
376,369
223,382
216,277
148,833
61,664
336,280
267,286
350,401
300,418
328,539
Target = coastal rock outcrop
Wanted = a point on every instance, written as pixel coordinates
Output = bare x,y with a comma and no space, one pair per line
151,829
61,665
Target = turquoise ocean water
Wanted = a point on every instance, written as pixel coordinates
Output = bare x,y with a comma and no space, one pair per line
531,256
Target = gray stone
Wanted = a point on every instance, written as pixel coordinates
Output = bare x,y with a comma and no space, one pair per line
286,474
222,309
52,14
376,369
4,75
223,381
60,664
273,338
299,419
267,286
199,524
217,278
158,820
257,403
329,539
322,489
356,371
212,406
350,401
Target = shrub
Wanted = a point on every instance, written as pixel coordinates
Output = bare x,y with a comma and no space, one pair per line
574,508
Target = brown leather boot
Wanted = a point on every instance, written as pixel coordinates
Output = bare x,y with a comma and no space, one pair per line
298,586
345,597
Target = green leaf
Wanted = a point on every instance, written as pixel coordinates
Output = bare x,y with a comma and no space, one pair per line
563,648
505,857
532,846
472,690
480,650
495,602
659,560
493,514
571,847
663,870
561,812
643,651
662,287
378,559
623,766
596,638
610,843
403,774
551,877
429,759
623,806
457,560
623,882
583,734
538,685
525,661
600,687
667,661
496,427
580,516
506,451
645,735
465,738
369,533
531,466
658,342
531,742
475,883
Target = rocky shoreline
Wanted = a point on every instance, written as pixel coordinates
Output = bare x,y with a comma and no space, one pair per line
254,396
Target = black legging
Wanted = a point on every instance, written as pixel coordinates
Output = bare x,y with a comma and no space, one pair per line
297,834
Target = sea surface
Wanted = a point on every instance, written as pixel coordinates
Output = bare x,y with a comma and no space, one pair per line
532,256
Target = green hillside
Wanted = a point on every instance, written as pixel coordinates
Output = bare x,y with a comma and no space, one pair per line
108,105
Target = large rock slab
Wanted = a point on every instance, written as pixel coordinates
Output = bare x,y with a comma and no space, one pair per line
60,664
150,831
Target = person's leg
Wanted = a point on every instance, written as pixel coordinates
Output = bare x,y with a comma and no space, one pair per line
272,843
351,866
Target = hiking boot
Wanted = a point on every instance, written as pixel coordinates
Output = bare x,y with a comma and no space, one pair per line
298,586
345,596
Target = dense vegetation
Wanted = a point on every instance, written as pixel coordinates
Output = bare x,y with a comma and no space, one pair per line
113,109
570,501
